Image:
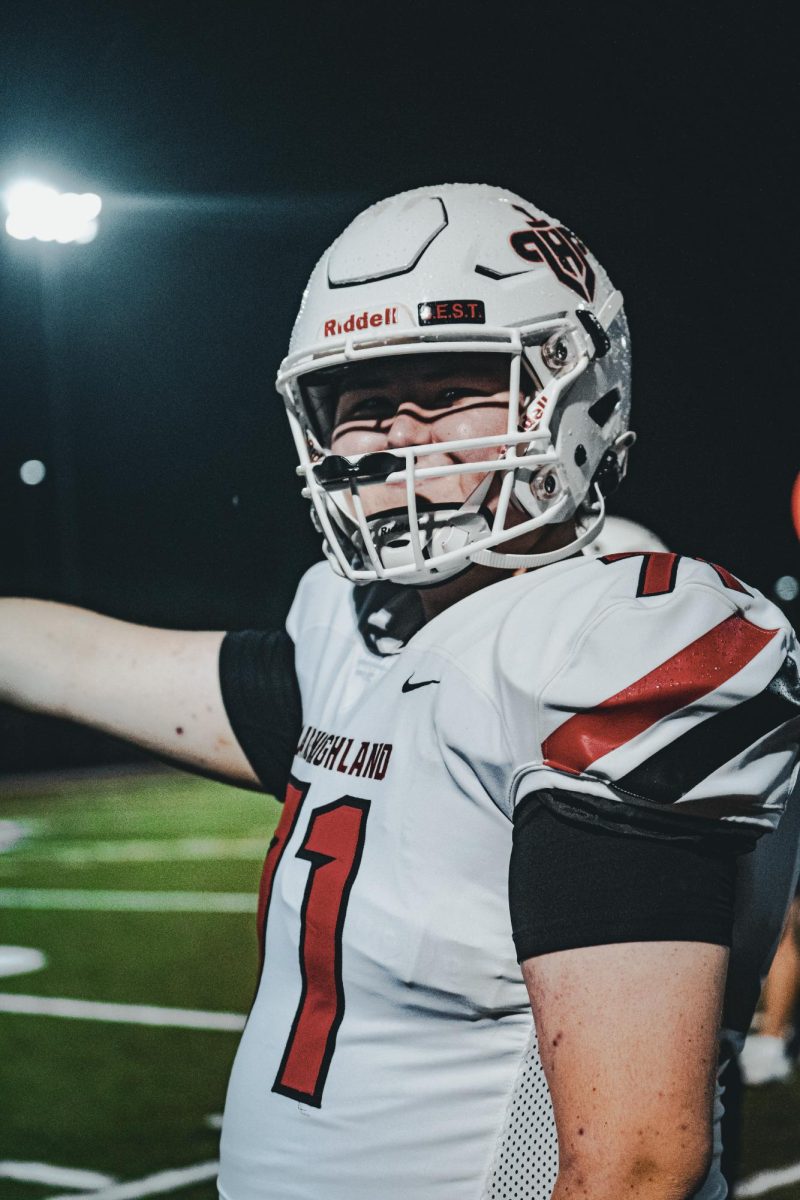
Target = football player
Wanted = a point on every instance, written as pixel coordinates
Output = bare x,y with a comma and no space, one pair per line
495,916
766,1055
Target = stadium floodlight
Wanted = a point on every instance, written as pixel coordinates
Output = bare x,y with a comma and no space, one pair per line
38,211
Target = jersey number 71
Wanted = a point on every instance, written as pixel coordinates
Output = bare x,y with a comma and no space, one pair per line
333,845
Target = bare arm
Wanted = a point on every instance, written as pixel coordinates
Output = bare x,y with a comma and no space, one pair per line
628,1041
157,688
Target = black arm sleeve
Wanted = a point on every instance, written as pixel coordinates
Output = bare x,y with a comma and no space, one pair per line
262,699
573,884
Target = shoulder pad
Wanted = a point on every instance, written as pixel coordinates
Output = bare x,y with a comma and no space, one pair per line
673,690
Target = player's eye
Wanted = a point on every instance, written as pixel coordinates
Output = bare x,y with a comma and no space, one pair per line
452,395
371,407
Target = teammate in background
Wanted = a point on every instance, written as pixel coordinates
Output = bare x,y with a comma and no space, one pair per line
517,780
765,1056
765,884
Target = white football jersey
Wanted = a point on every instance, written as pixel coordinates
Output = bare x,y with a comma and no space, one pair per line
390,1050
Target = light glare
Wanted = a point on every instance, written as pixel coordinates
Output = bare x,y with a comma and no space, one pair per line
38,211
787,588
29,196
32,472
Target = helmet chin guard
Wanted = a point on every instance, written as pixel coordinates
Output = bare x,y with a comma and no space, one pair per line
466,269
511,562
443,530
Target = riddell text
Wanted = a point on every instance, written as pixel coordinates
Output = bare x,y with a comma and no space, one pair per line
367,760
362,320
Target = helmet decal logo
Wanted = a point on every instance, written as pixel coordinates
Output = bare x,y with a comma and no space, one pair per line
442,312
563,252
357,321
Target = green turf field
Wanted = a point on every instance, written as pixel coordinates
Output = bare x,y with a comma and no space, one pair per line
140,891
124,1099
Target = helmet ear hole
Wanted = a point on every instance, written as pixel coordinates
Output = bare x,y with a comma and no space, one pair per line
608,475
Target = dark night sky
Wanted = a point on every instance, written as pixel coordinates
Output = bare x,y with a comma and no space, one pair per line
232,141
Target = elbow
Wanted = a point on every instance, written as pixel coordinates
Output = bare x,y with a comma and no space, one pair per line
649,1169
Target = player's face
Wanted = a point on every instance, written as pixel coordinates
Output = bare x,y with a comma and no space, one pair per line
387,404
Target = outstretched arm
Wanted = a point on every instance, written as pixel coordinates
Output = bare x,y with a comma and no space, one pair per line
156,688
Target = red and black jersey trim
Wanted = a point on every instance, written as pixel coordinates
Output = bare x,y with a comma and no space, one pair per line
729,580
691,758
295,795
659,571
680,681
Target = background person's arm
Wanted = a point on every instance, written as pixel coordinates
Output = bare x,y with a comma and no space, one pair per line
157,688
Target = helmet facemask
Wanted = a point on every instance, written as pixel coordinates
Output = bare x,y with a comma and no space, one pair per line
418,541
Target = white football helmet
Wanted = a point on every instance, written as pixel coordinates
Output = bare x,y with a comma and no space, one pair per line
472,269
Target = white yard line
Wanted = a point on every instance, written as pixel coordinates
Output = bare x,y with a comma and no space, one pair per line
124,1014
118,901
64,1177
12,833
768,1181
151,850
20,960
151,1185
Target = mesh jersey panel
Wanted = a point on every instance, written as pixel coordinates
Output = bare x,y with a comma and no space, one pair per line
526,1158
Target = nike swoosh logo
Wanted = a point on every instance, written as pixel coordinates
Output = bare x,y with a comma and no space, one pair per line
408,686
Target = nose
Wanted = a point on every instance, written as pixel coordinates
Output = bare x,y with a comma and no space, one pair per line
408,427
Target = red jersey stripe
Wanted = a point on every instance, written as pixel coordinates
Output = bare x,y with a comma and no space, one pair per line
698,669
729,580
658,574
286,824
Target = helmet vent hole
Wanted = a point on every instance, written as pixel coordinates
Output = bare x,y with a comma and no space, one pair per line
600,339
580,455
602,409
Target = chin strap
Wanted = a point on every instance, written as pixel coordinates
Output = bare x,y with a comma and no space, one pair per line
510,562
